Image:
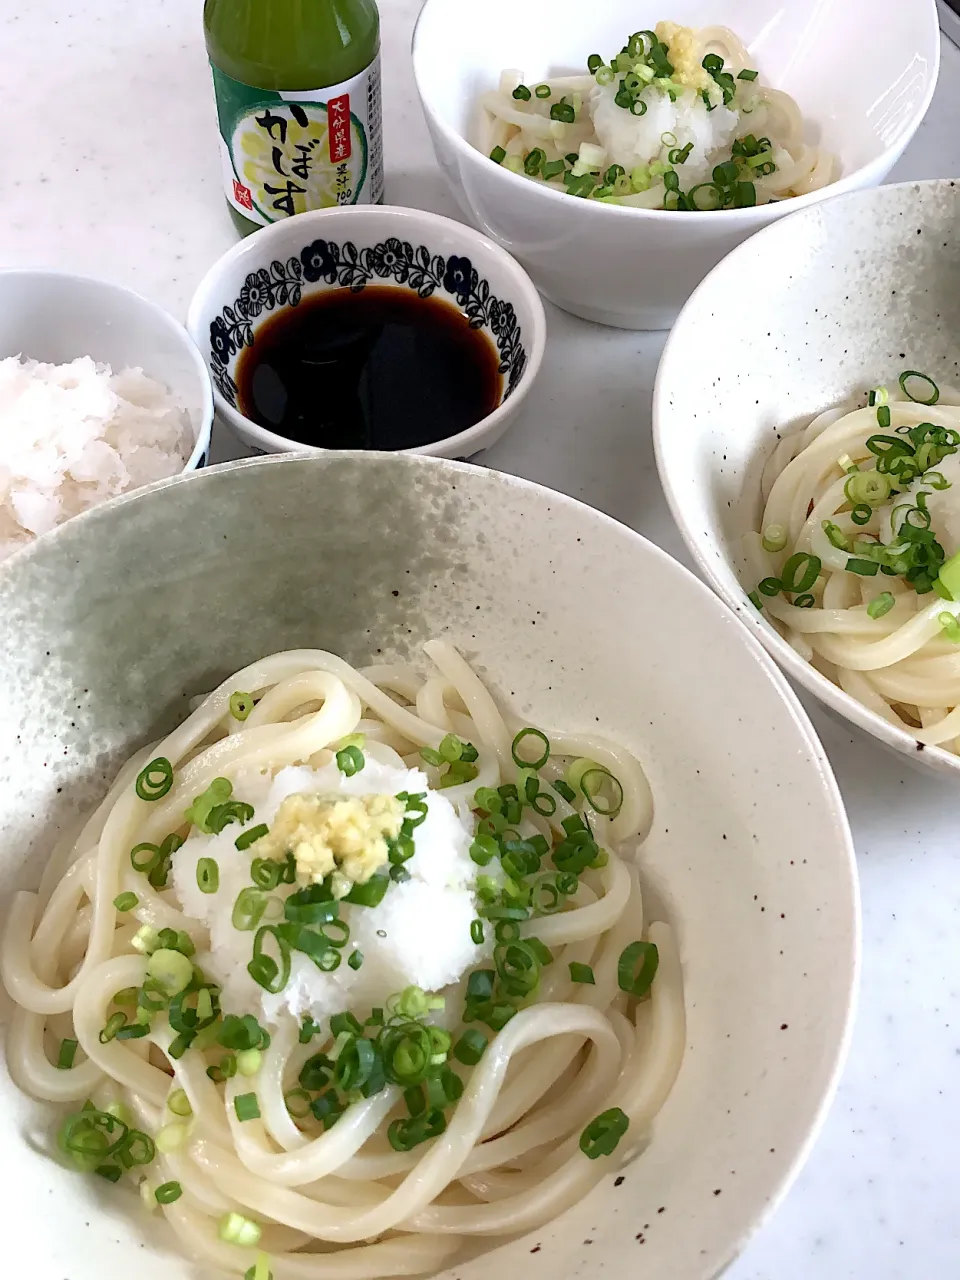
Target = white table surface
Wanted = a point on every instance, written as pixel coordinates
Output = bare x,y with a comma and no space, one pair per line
110,168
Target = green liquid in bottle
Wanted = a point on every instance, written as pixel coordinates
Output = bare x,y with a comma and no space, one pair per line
297,84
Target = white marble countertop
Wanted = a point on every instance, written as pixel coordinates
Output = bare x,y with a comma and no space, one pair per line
110,168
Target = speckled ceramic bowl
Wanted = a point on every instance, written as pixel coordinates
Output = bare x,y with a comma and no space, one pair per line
822,305
110,624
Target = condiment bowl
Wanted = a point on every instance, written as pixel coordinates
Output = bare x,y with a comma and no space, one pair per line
350,248
635,268
111,624
55,316
805,316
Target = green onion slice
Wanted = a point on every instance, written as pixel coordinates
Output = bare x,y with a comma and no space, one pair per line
208,875
541,758
927,385
637,968
251,836
246,1106
603,1134
155,780
241,704
581,973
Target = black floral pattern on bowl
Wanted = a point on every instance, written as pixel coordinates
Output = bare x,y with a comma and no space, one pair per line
346,265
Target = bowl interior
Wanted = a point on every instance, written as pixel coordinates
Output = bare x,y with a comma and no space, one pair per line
749,854
350,250
54,317
857,109
816,308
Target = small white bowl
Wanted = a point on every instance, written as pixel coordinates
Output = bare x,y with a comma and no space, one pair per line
352,247
811,311
55,316
574,620
862,71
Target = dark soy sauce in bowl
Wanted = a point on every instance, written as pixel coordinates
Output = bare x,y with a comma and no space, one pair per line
379,369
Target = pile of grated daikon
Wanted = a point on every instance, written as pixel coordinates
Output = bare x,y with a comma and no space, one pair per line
73,435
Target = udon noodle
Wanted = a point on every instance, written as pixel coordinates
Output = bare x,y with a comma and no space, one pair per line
677,120
856,559
280,1138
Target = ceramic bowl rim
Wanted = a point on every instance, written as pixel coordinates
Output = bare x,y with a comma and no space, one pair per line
775,645
754,218
465,442
167,321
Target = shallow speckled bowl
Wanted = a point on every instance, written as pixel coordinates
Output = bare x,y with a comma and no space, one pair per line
822,305
110,624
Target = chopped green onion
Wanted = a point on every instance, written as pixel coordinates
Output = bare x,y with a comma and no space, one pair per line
297,1103
498,155
219,791
870,488
594,63
404,1135
248,909
260,1269
637,968
804,601
476,932
542,91
249,1062
370,894
592,784
144,857
168,1193
883,416
927,384
170,970
565,790
155,780
949,626
350,761
770,586
484,849
949,577
222,814
250,837
861,514
179,1103
800,572
234,1228
68,1051
774,538
241,704
208,875
747,75
881,604
581,973
522,93
246,1106
602,1135
541,758
865,568
125,901
562,111
469,1048
356,959
316,1073
835,535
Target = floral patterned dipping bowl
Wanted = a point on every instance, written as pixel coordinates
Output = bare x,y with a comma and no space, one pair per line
351,248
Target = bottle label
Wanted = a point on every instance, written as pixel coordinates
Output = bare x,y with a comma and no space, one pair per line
285,153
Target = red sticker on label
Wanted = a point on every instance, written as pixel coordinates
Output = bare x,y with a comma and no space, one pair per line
338,118
242,194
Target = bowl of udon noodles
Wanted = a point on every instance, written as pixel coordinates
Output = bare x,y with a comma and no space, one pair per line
619,151
386,895
807,429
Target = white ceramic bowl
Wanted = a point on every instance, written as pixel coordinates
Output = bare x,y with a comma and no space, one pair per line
351,247
55,316
749,855
862,71
824,304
